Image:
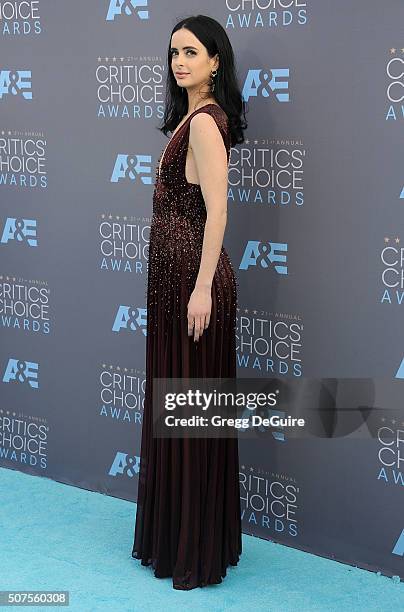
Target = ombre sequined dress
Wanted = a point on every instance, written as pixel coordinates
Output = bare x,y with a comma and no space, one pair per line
188,521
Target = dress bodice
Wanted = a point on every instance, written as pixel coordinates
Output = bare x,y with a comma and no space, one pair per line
172,192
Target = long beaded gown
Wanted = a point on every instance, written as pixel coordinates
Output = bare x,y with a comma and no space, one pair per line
188,521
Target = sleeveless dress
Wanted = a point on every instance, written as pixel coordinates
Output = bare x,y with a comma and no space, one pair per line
188,520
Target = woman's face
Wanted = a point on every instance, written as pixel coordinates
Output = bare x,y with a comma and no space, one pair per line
190,56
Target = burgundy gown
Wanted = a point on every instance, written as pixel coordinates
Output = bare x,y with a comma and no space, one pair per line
188,520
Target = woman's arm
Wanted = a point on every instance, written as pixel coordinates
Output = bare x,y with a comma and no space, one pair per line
211,162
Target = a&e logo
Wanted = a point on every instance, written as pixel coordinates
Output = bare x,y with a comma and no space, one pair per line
130,318
127,7
123,463
259,83
399,545
15,229
263,254
16,83
22,372
129,166
400,371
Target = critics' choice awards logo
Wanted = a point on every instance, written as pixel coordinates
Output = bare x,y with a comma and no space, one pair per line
259,254
23,159
390,437
20,18
122,392
266,172
124,464
129,87
127,8
24,372
261,14
15,83
132,167
130,319
24,304
392,274
269,342
270,83
23,439
124,243
395,85
19,230
269,501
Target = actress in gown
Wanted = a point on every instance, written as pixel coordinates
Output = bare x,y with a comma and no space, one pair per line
188,519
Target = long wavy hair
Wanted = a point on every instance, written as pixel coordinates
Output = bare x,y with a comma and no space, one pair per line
227,91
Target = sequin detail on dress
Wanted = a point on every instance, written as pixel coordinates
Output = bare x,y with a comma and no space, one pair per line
188,520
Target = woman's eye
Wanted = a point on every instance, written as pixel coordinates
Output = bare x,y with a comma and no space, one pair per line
188,51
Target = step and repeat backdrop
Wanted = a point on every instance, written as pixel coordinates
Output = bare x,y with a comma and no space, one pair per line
315,234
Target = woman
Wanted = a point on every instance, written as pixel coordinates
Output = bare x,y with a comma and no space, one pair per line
188,522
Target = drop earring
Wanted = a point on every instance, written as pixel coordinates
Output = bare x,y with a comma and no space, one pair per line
212,83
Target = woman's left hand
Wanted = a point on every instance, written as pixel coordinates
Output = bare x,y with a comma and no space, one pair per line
199,309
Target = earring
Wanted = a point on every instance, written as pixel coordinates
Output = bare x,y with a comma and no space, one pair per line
212,84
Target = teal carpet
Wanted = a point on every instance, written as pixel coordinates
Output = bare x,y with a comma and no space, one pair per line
55,536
